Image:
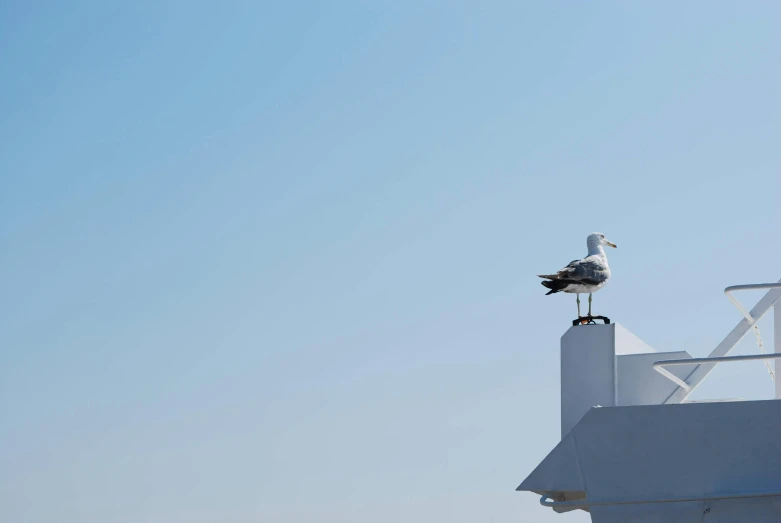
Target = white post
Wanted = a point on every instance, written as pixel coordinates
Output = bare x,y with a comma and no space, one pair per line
777,343
588,371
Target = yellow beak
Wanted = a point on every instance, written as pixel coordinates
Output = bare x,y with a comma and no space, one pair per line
611,244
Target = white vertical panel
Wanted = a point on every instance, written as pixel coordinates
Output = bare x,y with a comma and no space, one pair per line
587,372
777,343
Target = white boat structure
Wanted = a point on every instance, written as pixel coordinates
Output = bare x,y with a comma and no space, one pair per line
633,449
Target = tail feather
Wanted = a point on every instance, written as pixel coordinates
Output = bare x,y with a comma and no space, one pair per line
554,286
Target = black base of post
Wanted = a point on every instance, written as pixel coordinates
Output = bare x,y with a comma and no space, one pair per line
589,320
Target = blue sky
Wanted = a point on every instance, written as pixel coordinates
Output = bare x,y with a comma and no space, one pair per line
276,262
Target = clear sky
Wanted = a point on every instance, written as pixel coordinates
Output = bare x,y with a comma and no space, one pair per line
275,262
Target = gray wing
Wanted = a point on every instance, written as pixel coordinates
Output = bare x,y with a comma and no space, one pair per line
589,270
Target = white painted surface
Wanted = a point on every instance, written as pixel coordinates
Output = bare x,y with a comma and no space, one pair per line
777,344
607,365
628,343
764,510
640,384
587,371
636,452
661,452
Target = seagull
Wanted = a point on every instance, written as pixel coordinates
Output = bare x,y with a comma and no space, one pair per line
587,275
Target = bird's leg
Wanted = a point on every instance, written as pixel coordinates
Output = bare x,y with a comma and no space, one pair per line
578,301
589,304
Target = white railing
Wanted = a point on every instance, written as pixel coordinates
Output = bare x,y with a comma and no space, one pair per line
719,354
659,365
751,286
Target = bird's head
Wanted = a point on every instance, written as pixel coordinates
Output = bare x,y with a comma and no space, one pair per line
597,238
